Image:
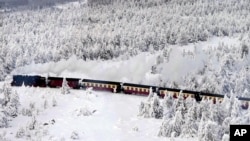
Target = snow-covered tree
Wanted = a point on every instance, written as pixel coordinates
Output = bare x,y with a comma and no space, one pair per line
13,105
210,132
152,107
7,91
65,87
168,106
190,127
156,107
225,137
20,133
45,104
3,120
226,125
32,125
167,128
54,102
144,109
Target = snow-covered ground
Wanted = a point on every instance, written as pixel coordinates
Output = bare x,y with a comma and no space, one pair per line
114,117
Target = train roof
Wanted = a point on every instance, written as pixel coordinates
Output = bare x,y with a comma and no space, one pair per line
101,81
60,78
138,85
211,94
14,76
244,98
170,89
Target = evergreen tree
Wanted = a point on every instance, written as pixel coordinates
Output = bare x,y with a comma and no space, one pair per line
65,87
156,107
3,120
168,106
190,127
13,106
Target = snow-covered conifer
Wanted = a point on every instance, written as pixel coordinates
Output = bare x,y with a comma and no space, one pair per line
225,125
12,106
20,133
168,106
151,94
32,124
65,87
144,109
225,137
179,120
167,128
54,102
156,107
236,109
210,132
7,91
190,127
45,104
179,101
3,120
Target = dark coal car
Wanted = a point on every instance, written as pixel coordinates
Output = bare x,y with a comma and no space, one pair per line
35,81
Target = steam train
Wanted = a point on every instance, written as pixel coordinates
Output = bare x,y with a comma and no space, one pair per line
117,87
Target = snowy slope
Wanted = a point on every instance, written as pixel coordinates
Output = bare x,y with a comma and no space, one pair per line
115,117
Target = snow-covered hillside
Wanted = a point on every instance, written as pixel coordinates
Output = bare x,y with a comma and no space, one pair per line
80,115
201,45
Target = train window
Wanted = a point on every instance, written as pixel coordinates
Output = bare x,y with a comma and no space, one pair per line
165,92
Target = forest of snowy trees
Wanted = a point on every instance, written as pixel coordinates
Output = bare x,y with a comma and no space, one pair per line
187,118
108,31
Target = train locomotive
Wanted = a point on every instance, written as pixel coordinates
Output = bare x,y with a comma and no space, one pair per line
117,87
